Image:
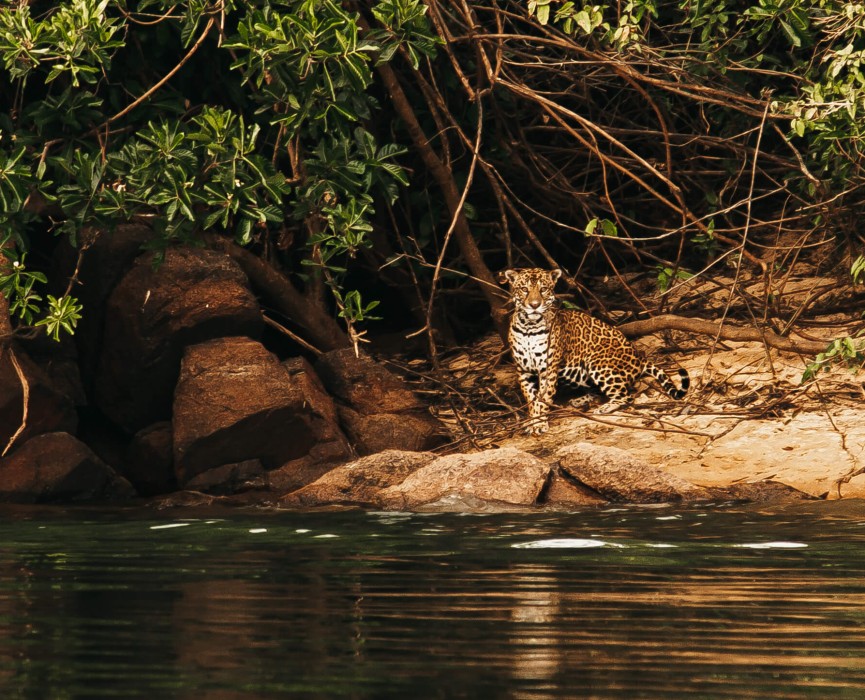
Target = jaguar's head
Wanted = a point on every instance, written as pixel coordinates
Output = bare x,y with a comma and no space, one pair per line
531,290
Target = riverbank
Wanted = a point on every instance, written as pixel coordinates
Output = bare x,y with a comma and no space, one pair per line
177,390
748,418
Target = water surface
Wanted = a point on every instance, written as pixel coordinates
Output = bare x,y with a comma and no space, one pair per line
710,602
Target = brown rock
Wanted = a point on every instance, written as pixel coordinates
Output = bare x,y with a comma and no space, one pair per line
563,492
323,455
363,384
376,409
235,402
152,314
230,478
505,475
766,491
359,482
48,410
149,462
619,476
56,467
107,256
374,433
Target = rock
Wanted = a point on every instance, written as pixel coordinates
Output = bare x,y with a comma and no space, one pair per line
564,492
504,475
370,434
235,402
230,478
323,455
56,467
359,482
148,462
376,409
107,257
186,499
617,475
48,410
152,314
766,491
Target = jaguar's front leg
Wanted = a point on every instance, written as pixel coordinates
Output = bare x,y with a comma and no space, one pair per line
539,409
528,386
530,392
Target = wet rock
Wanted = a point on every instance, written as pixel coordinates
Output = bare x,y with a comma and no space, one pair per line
376,409
148,463
152,314
48,410
504,475
618,476
565,493
186,499
359,482
56,467
230,478
766,491
235,402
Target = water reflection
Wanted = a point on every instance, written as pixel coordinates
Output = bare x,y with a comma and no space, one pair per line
623,604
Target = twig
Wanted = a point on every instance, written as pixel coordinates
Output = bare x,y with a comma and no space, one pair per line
294,336
25,400
168,76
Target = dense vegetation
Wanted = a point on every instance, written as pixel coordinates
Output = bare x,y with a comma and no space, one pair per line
403,150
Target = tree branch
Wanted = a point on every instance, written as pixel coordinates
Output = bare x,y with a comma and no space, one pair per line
669,322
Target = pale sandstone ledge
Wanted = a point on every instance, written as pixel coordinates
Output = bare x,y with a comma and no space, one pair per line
748,418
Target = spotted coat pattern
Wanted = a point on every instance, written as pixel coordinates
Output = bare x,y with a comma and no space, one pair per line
551,344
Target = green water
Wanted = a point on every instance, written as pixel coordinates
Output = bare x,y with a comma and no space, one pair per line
715,602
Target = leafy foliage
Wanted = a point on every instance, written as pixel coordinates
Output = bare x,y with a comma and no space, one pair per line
849,351
286,132
632,125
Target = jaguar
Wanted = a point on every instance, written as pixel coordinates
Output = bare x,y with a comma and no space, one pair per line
550,344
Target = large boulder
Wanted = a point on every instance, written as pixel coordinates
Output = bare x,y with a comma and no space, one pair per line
153,313
235,402
504,476
615,474
48,409
376,409
359,482
56,467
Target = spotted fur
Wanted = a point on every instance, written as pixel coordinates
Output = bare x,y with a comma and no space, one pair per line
551,344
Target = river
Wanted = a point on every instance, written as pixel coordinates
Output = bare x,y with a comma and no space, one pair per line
717,601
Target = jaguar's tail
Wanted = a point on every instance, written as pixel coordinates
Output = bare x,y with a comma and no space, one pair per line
667,383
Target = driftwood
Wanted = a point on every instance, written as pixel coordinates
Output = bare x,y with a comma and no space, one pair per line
725,331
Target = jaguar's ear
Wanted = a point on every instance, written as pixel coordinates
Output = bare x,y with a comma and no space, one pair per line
506,276
554,275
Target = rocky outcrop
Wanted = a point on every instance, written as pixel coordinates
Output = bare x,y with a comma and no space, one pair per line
152,314
359,482
376,409
618,476
48,410
505,476
56,467
235,402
